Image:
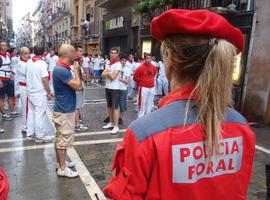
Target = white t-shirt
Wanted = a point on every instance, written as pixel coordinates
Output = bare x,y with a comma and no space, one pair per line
91,64
14,63
115,84
21,71
85,63
47,58
52,62
162,72
96,62
154,63
124,73
135,66
6,68
102,63
35,71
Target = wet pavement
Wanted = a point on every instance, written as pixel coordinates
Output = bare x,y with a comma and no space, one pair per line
31,167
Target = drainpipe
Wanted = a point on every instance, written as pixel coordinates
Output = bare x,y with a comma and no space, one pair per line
249,57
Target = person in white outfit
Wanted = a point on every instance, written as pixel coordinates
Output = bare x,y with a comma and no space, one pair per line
162,81
14,63
21,76
39,127
52,63
112,75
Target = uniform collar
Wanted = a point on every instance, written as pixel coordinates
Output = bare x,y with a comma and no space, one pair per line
36,58
22,59
181,93
63,64
3,54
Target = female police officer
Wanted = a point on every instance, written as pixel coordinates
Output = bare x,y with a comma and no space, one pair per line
194,146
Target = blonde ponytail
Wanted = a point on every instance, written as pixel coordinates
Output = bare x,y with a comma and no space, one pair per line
214,90
209,64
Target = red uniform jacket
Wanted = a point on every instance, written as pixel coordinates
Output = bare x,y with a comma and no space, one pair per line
163,156
4,186
144,75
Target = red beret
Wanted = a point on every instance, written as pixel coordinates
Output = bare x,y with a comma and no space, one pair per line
196,22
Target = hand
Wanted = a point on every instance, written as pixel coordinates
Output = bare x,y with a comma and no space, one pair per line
76,67
49,96
1,84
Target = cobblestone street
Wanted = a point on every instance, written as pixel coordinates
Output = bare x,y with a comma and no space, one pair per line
31,167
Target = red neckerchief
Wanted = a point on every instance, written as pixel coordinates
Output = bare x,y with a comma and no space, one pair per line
63,64
182,93
12,55
79,60
117,59
4,54
51,55
22,59
36,58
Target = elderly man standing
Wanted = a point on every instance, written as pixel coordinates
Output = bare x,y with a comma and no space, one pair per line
21,76
65,86
39,126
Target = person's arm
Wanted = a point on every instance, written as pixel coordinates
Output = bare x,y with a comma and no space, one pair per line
113,75
126,77
137,74
75,83
105,74
125,80
45,82
131,175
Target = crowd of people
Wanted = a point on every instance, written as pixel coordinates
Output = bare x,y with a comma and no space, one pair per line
127,83
32,76
195,146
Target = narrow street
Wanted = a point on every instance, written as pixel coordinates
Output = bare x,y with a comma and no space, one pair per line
31,167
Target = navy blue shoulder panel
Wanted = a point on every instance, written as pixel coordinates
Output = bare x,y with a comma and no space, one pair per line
234,116
173,115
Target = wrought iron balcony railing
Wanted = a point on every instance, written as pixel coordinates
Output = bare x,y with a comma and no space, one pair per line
222,6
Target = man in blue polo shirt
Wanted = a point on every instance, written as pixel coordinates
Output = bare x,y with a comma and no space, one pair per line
65,85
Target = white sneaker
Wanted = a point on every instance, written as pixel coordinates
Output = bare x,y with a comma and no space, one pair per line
46,139
67,173
30,138
107,126
69,164
115,130
2,130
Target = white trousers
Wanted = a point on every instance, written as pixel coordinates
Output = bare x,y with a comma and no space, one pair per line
145,100
51,83
38,123
23,96
131,87
162,86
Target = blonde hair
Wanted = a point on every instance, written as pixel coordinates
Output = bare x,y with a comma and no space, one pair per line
208,63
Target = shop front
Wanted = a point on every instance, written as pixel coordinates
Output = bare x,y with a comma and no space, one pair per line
117,31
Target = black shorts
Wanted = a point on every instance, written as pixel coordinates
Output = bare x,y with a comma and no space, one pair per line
112,97
7,89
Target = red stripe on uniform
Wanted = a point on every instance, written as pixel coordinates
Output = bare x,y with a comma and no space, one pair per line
140,98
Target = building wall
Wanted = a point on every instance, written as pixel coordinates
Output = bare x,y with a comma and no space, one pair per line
257,93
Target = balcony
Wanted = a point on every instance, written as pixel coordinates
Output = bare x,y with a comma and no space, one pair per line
238,9
61,12
109,3
219,6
